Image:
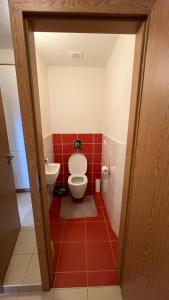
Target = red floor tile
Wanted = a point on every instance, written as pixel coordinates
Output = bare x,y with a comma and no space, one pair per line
112,235
56,202
56,249
72,257
74,232
97,201
99,217
66,280
96,231
101,278
105,213
115,246
99,256
78,220
54,215
56,230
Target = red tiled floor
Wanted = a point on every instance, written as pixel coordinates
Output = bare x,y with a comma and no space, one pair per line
99,256
56,249
85,249
112,235
55,203
80,220
72,257
97,201
96,231
74,232
54,215
115,245
70,279
56,230
100,278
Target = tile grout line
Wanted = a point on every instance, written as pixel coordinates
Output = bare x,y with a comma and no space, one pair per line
109,237
60,248
27,267
86,252
91,271
86,259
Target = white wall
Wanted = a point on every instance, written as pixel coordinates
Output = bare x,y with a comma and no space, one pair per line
11,106
42,70
7,56
76,96
118,78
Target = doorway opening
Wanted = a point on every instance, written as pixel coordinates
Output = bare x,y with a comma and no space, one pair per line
84,83
19,259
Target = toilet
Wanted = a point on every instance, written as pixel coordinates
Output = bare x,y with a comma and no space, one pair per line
77,181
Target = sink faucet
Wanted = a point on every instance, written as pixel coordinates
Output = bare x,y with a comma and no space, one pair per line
46,160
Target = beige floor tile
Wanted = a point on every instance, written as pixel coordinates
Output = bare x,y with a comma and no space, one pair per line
35,296
24,205
8,297
32,275
70,294
28,222
26,242
104,293
17,269
35,250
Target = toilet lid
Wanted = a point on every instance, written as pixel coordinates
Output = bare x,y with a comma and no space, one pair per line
77,164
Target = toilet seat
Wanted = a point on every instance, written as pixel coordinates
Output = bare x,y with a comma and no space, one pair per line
77,179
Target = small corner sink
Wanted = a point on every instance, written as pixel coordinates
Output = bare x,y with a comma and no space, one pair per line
51,171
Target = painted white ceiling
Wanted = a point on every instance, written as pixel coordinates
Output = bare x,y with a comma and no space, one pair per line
5,29
55,48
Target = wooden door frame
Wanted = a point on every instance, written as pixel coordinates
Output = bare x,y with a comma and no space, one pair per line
75,16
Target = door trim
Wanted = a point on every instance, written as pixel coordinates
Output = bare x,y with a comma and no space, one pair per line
25,17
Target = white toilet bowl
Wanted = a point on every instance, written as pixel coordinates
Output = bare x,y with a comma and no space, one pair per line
77,181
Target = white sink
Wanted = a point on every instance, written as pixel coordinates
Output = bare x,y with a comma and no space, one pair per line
51,172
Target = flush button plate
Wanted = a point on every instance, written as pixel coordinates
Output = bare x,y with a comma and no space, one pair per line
77,144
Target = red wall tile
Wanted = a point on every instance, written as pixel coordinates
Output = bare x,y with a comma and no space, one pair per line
68,148
97,167
58,158
57,148
69,138
97,158
85,137
57,138
91,147
87,148
97,148
97,138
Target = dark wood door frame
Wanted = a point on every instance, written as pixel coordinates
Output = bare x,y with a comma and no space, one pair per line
93,16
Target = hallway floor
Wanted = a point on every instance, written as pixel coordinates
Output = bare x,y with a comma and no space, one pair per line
24,264
91,293
85,249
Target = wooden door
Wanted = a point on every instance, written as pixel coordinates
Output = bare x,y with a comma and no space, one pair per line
146,266
9,215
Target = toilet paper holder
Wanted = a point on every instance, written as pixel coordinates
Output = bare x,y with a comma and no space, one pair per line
106,168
